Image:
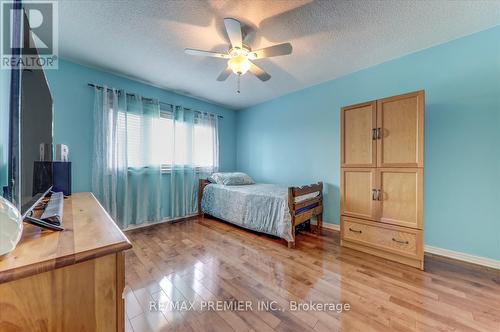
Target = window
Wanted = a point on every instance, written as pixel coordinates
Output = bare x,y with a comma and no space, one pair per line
164,138
205,142
134,139
163,141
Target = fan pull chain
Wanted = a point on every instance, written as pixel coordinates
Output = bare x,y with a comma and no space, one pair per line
238,90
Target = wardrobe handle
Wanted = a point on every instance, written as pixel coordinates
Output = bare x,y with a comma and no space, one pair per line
355,231
374,194
374,134
379,133
399,241
379,194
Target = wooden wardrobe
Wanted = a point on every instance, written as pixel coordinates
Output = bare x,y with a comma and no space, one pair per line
381,184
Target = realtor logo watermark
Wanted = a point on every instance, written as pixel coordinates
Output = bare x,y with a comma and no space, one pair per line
39,49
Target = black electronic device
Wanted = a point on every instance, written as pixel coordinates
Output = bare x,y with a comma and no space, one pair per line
54,173
62,177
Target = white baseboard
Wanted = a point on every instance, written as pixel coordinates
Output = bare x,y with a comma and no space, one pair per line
148,224
460,256
334,227
489,262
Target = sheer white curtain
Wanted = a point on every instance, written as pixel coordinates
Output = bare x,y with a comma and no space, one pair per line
109,168
195,155
148,158
206,141
125,174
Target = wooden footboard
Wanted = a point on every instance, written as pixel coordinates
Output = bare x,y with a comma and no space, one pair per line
305,210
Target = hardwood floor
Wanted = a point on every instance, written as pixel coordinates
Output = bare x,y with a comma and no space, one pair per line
205,260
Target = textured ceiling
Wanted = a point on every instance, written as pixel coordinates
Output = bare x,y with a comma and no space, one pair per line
145,40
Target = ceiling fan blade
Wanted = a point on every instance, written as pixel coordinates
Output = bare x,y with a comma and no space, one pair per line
233,29
276,50
206,53
225,74
259,72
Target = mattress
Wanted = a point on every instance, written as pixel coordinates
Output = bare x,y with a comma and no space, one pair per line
258,207
305,197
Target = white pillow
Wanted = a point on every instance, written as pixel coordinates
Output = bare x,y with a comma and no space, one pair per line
231,179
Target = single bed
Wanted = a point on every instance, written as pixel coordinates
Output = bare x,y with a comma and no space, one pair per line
265,208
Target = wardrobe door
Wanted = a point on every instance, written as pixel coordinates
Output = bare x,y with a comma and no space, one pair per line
400,131
357,198
400,199
357,135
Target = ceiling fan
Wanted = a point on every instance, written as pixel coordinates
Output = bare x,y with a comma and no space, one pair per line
240,56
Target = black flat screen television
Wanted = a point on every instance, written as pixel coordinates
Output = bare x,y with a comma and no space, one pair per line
30,126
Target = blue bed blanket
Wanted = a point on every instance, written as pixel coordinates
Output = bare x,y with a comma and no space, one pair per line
259,207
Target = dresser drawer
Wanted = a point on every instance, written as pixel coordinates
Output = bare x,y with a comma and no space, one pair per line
394,239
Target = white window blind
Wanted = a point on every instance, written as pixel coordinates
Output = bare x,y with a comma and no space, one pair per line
167,143
135,140
204,149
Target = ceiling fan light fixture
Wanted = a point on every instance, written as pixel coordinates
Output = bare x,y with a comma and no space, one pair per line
240,56
239,64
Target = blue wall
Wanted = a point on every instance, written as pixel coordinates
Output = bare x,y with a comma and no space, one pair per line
294,139
73,107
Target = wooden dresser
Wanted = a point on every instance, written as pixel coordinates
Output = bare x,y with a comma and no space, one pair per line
66,281
381,184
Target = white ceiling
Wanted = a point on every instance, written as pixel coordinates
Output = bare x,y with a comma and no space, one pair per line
145,40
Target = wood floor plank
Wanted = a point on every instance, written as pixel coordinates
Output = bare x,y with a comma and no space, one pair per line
132,306
205,260
128,326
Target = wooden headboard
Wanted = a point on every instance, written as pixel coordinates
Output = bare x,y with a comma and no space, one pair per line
203,184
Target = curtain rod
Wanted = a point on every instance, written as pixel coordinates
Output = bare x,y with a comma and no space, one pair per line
149,99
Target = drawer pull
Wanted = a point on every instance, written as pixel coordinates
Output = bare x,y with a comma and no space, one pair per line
355,231
399,241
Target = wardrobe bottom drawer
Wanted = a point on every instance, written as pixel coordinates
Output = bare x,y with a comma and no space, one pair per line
392,239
